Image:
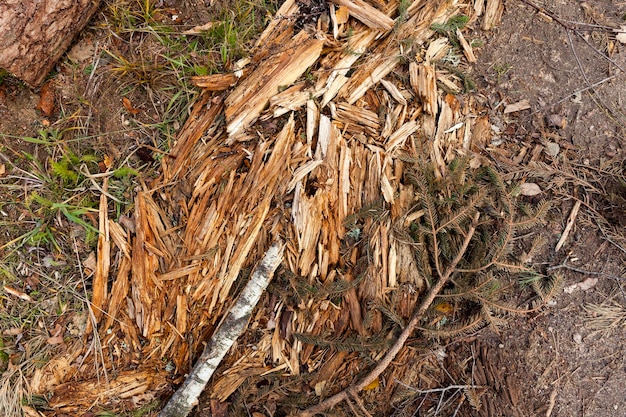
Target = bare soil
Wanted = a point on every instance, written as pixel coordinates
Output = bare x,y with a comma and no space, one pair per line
556,363
551,363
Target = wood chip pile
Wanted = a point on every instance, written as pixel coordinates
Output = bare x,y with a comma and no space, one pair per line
303,141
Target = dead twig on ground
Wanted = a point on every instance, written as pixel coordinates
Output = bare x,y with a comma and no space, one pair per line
186,397
444,276
443,389
570,223
564,265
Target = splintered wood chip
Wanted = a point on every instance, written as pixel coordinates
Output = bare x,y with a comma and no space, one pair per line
519,106
493,14
342,14
467,48
238,176
367,14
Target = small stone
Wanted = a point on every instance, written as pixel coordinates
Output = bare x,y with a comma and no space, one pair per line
552,149
578,339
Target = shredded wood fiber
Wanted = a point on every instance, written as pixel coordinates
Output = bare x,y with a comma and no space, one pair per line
305,146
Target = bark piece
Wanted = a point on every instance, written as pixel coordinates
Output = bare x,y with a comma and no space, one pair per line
34,34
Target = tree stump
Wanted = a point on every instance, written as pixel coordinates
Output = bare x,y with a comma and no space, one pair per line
35,33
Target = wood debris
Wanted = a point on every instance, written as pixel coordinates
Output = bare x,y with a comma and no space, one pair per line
101,276
366,13
519,106
314,160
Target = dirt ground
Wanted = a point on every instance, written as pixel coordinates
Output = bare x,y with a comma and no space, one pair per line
557,362
562,361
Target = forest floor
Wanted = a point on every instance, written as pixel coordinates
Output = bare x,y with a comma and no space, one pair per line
122,93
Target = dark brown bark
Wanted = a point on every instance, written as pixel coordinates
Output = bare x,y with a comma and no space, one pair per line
35,33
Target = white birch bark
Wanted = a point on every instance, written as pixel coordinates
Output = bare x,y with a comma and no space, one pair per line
186,397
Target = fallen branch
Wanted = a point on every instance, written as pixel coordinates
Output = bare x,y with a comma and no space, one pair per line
186,397
353,390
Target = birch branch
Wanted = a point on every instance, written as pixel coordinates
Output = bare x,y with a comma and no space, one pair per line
186,397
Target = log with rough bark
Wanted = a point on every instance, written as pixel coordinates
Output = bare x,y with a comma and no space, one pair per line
35,33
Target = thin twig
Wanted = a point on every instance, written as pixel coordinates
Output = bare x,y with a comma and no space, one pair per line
444,389
582,90
568,228
552,401
564,265
355,388
584,74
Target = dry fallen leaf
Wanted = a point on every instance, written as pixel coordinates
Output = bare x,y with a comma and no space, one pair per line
445,308
82,51
196,30
55,340
90,263
108,161
219,409
56,337
3,95
556,120
319,388
13,331
588,284
552,149
584,285
519,106
529,189
129,107
46,99
17,293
